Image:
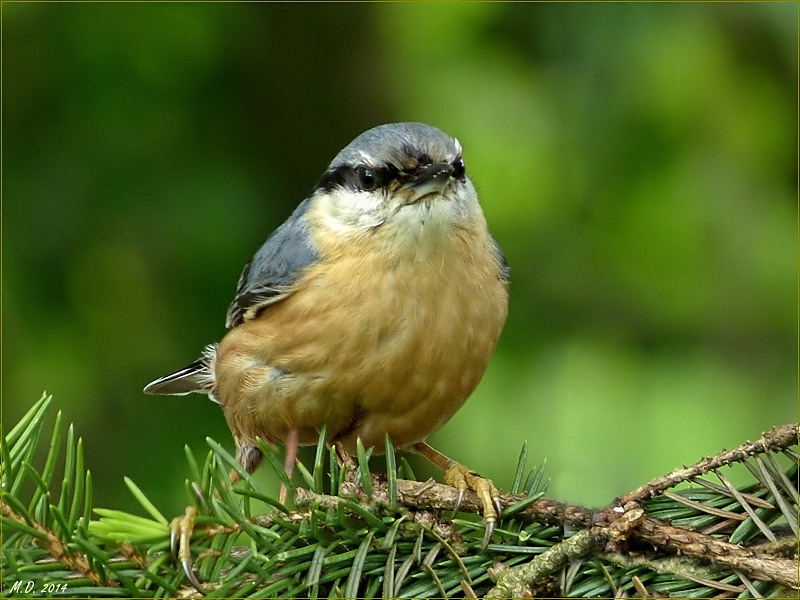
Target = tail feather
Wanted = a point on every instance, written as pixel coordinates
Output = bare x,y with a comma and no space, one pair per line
197,377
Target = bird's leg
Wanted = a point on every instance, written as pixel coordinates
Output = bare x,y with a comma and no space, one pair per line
289,462
181,528
463,479
345,461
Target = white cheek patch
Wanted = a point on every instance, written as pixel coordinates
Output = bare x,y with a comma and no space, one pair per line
350,212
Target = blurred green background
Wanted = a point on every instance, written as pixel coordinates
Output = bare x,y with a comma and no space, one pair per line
637,162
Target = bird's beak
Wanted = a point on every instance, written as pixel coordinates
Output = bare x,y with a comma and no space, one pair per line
432,179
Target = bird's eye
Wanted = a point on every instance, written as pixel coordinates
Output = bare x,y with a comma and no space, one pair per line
367,180
459,168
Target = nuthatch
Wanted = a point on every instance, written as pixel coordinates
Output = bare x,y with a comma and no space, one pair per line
373,309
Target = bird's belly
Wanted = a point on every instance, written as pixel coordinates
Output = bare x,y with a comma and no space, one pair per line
367,348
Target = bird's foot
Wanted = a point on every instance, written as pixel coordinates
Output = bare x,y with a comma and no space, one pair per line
180,539
463,479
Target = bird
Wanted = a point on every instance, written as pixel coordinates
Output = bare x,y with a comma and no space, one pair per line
373,310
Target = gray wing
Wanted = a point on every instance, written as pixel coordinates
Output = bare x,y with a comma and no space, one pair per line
501,258
270,276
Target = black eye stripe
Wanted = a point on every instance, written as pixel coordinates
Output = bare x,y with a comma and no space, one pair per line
333,178
366,178
360,177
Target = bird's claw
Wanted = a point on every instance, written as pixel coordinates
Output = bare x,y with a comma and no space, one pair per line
180,538
463,479
459,499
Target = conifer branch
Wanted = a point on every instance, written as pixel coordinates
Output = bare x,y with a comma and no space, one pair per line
354,532
776,439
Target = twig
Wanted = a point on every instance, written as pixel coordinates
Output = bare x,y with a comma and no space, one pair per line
516,582
613,534
682,566
58,549
777,438
693,543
